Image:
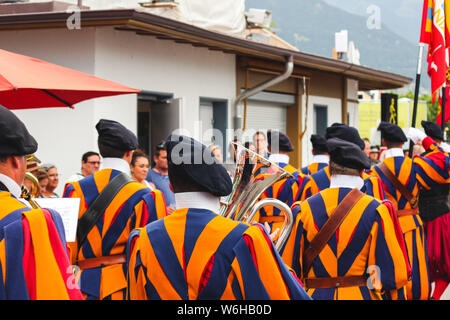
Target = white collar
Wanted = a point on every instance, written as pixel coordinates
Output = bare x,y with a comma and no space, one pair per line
345,181
12,186
321,158
277,157
116,164
394,152
199,200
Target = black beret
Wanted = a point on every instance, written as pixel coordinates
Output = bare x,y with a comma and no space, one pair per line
433,130
113,134
319,143
284,143
15,140
391,132
345,132
191,159
347,154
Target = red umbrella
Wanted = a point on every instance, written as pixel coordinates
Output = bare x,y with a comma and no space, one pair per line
27,82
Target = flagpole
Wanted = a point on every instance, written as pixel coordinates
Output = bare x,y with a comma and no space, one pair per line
416,94
443,108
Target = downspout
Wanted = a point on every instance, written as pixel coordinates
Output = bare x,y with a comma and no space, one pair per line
289,68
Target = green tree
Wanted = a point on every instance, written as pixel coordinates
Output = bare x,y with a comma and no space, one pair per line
432,108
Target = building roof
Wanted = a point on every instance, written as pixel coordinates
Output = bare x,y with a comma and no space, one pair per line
145,23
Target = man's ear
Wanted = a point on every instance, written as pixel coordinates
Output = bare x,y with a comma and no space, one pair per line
15,161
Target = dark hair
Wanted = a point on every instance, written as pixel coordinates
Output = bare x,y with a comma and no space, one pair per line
3,159
88,154
41,174
390,144
108,152
337,169
259,132
181,182
247,144
159,147
138,154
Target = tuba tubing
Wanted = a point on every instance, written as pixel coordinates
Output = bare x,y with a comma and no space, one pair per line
288,218
243,201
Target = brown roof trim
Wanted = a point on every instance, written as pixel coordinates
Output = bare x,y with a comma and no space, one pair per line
152,24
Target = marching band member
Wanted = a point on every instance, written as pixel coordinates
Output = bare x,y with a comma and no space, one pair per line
34,262
320,155
435,213
197,254
321,179
402,177
288,190
112,205
341,235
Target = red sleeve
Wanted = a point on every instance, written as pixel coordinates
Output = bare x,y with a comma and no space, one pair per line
427,142
28,261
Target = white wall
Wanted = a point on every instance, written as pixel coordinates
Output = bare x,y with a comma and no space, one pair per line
141,62
148,63
62,133
334,115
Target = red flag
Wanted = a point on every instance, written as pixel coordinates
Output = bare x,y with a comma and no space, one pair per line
427,22
437,60
447,107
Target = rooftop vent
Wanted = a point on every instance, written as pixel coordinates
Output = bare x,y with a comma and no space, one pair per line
159,4
259,18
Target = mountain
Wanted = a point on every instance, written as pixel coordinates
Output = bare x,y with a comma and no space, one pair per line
311,25
403,18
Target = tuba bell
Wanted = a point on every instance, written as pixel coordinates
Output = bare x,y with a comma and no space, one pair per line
34,191
242,203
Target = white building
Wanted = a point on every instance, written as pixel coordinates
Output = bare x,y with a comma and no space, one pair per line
189,77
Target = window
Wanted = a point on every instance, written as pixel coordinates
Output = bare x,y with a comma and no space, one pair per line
320,119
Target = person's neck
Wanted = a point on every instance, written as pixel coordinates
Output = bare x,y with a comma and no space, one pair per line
48,192
161,170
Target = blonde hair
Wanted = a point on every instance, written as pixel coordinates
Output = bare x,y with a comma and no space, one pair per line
214,147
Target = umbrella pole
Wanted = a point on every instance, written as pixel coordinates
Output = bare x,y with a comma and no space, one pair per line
416,95
57,98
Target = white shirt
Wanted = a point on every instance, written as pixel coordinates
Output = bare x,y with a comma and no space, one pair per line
276,157
394,152
345,181
75,177
116,164
321,158
198,200
13,188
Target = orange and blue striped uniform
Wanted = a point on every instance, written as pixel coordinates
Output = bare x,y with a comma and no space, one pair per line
321,180
313,168
133,207
197,254
367,241
34,259
287,190
422,172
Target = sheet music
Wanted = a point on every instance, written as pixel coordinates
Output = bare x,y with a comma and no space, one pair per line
68,210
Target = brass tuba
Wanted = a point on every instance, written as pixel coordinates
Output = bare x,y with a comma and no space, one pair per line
242,203
34,190
33,193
